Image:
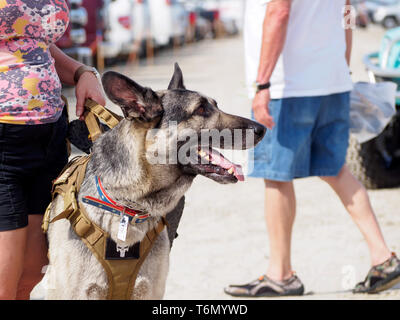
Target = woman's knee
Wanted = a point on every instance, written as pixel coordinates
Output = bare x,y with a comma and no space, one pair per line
7,293
27,283
12,248
23,289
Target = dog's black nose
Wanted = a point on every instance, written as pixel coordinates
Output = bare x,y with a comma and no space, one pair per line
259,129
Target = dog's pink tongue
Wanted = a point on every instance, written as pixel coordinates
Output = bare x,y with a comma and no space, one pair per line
238,172
221,161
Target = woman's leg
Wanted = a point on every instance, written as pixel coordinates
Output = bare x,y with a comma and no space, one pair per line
35,258
12,250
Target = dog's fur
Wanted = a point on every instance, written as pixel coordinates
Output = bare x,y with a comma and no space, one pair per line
119,158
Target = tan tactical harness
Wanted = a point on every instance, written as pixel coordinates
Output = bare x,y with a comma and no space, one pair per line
121,274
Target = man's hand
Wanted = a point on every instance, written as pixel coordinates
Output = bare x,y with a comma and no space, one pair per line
275,26
87,87
261,109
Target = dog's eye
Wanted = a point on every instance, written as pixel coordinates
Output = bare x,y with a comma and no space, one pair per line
201,111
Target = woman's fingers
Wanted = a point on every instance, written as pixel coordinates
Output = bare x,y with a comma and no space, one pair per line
99,98
88,87
80,101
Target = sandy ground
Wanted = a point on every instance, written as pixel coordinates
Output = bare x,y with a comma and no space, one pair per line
222,236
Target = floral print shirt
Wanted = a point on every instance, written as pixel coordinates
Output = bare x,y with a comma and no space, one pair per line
30,90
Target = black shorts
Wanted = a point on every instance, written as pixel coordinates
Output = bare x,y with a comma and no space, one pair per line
31,157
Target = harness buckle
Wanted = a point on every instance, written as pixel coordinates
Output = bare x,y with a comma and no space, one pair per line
73,202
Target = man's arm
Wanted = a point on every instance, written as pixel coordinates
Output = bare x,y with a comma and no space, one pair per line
274,36
273,40
349,39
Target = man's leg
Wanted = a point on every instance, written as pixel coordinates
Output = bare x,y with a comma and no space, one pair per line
280,210
12,250
356,201
35,258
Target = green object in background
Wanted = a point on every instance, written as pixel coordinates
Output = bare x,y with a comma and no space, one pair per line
389,55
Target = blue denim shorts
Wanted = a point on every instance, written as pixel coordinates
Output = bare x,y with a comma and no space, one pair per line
310,138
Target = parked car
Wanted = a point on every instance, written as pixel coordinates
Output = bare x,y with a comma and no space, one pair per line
200,22
372,5
388,15
121,27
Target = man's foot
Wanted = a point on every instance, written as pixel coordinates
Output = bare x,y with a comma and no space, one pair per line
381,277
266,287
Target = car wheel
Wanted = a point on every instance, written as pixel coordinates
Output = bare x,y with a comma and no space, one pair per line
390,22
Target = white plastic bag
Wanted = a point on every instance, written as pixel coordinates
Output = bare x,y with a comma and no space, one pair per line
372,105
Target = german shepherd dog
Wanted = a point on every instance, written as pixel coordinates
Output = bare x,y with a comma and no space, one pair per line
120,158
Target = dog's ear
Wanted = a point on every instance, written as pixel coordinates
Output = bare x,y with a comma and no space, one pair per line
177,79
135,101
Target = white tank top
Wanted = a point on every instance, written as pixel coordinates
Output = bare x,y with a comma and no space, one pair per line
313,60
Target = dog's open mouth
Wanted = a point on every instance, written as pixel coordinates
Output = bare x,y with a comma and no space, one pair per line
212,164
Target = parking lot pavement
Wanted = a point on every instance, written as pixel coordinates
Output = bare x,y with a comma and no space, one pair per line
222,236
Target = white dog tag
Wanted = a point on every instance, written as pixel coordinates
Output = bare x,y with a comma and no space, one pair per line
123,227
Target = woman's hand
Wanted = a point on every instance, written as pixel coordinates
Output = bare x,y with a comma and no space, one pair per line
87,87
261,110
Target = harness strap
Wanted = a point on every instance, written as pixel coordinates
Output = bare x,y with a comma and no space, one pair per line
121,274
67,185
110,118
95,112
93,125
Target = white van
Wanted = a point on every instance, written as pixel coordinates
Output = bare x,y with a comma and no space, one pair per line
141,20
180,20
161,21
118,35
231,13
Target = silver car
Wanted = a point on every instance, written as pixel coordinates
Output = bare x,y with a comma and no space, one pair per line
387,13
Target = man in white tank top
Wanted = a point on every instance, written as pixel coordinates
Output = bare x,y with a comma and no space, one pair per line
297,55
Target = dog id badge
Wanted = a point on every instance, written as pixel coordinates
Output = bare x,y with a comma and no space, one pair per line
120,251
123,227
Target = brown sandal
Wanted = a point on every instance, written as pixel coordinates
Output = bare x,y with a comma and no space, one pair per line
381,277
266,287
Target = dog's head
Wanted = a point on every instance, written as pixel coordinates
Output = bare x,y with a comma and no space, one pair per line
184,126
